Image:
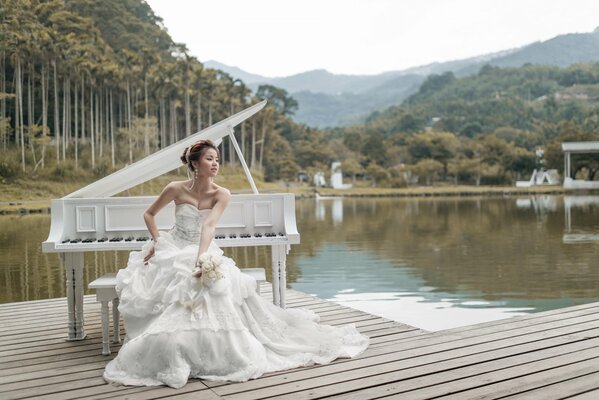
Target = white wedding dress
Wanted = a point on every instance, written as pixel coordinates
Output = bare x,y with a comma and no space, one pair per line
179,327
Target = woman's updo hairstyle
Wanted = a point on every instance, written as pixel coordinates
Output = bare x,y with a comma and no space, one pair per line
195,152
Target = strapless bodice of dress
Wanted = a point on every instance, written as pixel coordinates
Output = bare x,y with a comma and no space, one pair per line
188,223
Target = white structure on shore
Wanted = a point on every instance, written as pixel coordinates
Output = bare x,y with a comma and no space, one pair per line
570,148
541,177
337,177
319,180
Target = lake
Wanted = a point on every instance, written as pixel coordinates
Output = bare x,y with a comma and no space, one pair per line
434,263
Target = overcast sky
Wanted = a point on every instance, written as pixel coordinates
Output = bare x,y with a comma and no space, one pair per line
283,37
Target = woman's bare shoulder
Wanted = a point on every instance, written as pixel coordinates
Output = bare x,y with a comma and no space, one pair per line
175,187
178,185
222,192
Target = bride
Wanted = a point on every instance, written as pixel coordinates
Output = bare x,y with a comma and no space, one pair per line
190,313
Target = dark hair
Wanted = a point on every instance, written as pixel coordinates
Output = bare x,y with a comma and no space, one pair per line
195,152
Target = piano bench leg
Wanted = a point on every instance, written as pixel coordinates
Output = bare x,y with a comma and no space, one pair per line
115,321
105,327
105,288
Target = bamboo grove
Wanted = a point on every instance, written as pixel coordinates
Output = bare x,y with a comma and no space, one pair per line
91,86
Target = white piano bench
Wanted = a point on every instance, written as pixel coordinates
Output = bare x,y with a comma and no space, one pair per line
105,287
258,274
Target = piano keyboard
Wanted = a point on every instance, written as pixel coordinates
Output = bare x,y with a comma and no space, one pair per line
134,243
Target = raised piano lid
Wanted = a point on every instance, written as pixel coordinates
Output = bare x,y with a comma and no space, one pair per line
162,161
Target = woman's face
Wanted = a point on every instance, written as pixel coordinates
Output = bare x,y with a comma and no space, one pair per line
208,165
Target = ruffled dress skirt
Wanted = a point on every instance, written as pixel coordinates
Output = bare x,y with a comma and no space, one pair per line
180,327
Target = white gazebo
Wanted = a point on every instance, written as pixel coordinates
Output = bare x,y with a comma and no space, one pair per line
570,148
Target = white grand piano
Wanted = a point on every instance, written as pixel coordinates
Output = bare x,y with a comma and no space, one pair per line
89,219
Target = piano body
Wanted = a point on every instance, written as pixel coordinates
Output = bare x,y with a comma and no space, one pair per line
89,219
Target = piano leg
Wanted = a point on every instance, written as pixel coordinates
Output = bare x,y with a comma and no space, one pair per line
282,274
73,264
279,275
276,299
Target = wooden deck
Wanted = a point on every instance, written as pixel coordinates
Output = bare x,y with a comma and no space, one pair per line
549,355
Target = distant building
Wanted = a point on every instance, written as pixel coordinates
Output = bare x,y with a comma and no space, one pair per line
569,148
541,177
337,177
319,180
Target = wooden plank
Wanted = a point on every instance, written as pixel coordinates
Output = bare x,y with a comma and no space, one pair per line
194,388
518,378
413,360
566,384
51,373
509,353
591,395
425,382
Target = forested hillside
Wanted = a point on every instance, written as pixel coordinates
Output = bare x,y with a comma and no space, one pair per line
485,128
89,86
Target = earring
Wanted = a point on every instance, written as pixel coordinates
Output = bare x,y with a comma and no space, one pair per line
195,174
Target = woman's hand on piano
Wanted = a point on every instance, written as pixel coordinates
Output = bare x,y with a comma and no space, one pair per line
149,255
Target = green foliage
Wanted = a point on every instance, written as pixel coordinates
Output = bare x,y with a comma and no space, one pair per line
64,172
278,98
486,128
429,169
10,165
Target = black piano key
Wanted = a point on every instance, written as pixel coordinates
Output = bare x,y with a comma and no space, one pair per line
75,240
116,239
87,240
281,234
258,235
142,239
66,241
102,240
129,239
232,236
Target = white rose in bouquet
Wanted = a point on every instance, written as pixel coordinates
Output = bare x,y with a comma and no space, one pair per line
211,267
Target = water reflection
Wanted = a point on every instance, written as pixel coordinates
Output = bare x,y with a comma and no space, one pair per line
430,262
581,231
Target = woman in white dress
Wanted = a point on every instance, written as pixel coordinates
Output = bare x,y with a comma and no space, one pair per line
190,313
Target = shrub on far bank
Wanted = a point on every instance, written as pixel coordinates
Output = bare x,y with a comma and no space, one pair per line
10,166
63,171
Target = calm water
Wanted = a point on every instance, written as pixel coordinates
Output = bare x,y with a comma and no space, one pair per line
433,263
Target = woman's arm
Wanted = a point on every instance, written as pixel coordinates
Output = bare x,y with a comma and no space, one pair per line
209,225
168,194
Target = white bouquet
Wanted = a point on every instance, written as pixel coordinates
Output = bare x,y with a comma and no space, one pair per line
210,266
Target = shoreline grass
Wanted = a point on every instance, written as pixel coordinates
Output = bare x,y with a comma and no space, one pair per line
33,196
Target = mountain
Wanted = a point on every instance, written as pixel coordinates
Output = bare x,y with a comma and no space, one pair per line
236,72
326,99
